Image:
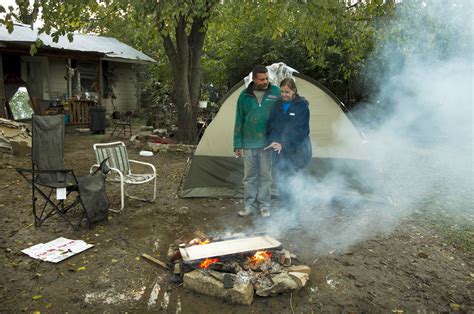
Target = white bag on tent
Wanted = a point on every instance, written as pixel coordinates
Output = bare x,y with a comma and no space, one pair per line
276,73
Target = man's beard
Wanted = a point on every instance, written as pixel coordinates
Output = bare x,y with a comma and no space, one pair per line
261,86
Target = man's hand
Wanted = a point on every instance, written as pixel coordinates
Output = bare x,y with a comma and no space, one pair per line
275,146
238,153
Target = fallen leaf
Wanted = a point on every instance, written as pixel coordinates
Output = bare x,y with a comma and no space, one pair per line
81,268
455,306
36,297
114,261
422,255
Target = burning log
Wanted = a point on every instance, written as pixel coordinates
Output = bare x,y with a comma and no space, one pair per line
208,262
228,267
260,261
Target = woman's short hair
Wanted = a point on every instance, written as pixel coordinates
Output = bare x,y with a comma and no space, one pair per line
290,83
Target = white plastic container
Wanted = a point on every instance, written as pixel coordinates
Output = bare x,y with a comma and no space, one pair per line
146,153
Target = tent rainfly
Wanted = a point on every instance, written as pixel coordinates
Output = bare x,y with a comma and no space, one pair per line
338,147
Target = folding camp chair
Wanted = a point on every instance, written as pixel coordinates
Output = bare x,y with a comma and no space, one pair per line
119,164
123,125
48,175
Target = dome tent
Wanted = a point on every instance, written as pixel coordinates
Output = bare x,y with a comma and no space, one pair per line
338,146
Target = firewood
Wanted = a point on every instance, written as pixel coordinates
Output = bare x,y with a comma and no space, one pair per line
154,260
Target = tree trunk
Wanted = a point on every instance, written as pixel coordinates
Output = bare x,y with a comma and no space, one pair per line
185,59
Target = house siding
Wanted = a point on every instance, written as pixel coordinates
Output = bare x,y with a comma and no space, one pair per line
125,88
57,78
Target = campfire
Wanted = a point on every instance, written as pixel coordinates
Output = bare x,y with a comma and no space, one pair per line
236,267
208,262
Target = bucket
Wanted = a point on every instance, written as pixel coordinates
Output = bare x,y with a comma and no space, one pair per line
116,115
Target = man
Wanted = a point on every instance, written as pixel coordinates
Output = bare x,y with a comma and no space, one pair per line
253,110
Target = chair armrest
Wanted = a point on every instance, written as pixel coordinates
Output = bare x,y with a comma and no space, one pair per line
144,163
93,167
67,178
44,171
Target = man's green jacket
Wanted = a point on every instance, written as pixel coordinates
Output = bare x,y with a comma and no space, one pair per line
251,118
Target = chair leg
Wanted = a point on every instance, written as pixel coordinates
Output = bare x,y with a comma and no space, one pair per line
154,190
114,129
145,199
122,198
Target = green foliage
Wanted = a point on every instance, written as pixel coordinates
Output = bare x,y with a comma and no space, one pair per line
323,39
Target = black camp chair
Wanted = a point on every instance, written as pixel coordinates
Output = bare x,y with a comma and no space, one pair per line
123,125
48,175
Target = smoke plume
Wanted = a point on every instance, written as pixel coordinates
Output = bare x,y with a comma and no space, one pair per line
419,126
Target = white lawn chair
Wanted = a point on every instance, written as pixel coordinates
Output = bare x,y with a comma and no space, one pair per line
119,164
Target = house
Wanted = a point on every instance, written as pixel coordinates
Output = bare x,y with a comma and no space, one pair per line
87,71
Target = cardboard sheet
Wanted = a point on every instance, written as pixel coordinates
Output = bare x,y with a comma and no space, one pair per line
56,250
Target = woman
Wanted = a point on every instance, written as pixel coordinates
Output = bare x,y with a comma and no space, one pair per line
288,134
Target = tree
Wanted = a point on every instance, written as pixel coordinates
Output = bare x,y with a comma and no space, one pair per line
181,26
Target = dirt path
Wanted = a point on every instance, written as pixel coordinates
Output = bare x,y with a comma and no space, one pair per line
412,267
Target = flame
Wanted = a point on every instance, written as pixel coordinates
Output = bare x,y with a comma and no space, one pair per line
198,241
260,257
207,262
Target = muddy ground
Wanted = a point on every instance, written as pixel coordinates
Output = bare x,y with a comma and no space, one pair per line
424,263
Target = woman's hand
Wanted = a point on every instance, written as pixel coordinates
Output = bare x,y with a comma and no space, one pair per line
275,146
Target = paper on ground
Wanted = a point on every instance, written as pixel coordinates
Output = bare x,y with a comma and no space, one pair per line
57,250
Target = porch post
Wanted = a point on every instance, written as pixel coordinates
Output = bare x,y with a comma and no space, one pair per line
101,82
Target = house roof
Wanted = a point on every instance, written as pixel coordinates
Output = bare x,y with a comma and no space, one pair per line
110,47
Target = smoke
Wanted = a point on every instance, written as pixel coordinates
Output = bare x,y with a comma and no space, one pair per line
419,125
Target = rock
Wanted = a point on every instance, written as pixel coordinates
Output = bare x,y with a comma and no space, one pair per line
281,283
177,269
300,269
285,258
200,281
173,253
300,278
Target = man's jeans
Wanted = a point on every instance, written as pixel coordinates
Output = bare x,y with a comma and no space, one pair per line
257,178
